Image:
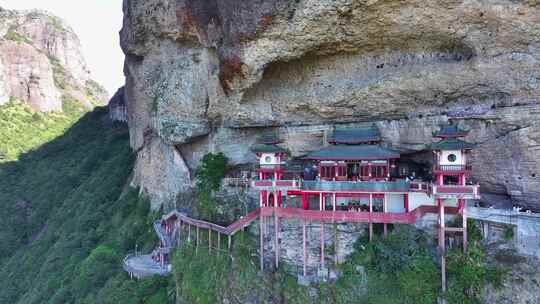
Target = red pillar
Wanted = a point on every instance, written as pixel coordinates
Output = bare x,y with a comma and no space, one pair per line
279,199
406,202
305,201
265,198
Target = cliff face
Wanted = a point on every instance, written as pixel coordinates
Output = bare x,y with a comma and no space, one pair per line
211,75
41,62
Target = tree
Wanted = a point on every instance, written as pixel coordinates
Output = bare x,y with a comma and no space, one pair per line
209,177
211,172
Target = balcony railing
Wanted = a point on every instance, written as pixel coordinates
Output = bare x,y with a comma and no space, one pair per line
395,186
467,191
452,168
419,187
276,183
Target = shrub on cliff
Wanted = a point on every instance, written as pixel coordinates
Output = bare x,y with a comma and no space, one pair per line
209,176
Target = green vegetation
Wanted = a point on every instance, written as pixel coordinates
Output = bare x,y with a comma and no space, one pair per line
401,269
68,220
57,23
22,128
206,278
209,176
509,233
95,91
468,273
60,75
14,36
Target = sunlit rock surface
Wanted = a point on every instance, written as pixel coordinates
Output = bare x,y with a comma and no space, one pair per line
210,75
41,62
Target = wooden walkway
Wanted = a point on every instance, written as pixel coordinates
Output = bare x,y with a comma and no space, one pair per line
144,266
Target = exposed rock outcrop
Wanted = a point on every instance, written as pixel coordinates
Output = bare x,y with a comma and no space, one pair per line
117,107
210,75
41,62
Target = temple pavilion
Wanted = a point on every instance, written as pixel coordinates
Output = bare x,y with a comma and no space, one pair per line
355,171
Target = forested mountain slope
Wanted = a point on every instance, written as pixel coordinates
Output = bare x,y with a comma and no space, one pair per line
68,219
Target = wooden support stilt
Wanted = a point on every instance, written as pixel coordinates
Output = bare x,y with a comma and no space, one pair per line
465,236
179,233
197,240
265,220
336,241
322,245
370,213
385,210
261,240
304,247
209,240
219,241
229,243
442,243
443,273
189,233
276,241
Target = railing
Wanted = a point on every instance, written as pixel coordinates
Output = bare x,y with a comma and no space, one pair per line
141,266
395,186
467,191
452,168
276,183
271,167
235,181
419,187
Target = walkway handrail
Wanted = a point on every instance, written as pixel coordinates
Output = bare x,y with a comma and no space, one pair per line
315,215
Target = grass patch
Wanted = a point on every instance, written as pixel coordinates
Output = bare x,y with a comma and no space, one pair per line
23,129
14,36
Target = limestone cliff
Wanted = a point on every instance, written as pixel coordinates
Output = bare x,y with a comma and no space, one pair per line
41,62
211,75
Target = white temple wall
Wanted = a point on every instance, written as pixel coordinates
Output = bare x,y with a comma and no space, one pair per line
460,160
417,199
269,159
395,203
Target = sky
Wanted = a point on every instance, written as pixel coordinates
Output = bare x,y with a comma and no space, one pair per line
97,23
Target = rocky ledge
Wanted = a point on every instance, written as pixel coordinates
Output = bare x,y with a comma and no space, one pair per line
210,75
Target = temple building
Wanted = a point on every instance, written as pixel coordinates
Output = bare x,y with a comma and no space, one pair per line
355,172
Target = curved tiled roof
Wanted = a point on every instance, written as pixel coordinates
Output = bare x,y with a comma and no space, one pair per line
353,152
355,136
268,148
451,130
452,144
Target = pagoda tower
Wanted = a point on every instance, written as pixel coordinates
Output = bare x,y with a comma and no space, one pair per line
451,172
271,168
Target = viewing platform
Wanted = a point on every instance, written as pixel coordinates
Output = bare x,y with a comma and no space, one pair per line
283,185
399,186
344,186
456,191
448,169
